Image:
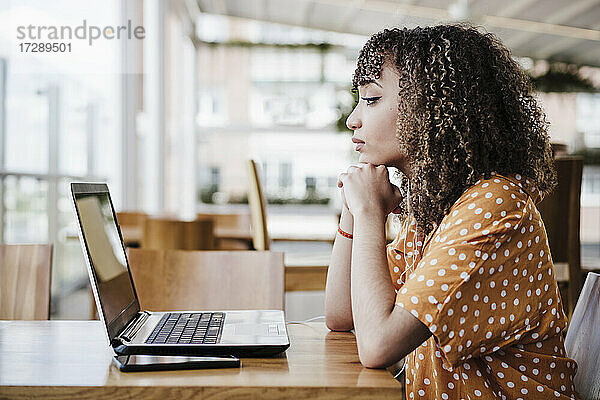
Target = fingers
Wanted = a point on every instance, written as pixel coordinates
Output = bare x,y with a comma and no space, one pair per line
341,179
344,175
378,169
362,166
344,200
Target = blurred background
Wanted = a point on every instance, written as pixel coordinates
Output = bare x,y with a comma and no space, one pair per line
170,120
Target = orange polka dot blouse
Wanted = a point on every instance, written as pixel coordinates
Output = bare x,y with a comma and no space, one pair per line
483,283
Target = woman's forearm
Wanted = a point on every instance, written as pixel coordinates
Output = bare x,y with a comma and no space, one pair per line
372,291
338,304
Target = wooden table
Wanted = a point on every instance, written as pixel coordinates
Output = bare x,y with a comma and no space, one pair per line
71,359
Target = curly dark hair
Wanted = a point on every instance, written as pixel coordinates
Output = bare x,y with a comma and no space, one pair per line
466,109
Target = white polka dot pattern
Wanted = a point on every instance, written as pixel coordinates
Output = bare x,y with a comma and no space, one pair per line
484,285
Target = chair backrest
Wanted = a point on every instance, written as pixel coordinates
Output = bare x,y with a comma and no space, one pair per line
232,231
132,226
561,212
25,273
258,208
559,149
131,218
172,234
202,280
583,339
231,221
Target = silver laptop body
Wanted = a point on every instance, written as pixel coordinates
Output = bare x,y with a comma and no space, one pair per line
130,330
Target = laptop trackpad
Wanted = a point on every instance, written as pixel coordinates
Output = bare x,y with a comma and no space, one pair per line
255,330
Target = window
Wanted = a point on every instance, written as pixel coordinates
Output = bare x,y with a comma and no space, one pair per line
215,178
285,175
588,118
58,112
212,107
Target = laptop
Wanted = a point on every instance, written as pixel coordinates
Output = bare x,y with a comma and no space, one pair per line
242,333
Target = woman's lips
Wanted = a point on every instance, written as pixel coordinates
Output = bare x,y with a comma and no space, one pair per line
359,143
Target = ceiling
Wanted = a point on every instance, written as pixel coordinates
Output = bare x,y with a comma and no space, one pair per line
558,30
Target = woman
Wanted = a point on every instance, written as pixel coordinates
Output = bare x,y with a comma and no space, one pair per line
466,291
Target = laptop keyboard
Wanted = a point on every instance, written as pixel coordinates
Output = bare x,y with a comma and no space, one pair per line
188,328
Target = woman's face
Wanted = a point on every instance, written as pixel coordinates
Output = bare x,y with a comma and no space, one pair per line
373,121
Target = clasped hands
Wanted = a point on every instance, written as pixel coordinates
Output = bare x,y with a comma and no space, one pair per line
367,191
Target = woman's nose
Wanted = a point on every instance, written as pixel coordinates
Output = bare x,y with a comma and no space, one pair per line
353,122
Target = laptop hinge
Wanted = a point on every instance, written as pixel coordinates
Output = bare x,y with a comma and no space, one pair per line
134,326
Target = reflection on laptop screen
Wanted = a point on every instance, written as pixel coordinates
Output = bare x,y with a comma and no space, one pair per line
107,257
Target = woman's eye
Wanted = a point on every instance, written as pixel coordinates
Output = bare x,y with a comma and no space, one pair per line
371,100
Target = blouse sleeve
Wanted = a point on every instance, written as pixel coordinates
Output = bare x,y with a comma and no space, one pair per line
402,251
461,289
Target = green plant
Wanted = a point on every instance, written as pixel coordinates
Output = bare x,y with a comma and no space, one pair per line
244,43
205,194
243,199
296,200
563,78
344,111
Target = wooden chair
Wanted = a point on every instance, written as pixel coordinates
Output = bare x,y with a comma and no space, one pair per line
258,208
561,212
131,218
231,231
203,280
303,272
583,339
25,274
559,149
172,234
132,226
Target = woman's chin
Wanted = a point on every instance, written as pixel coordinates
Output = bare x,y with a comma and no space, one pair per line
364,158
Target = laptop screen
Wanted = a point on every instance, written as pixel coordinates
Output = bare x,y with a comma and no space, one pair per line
106,257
